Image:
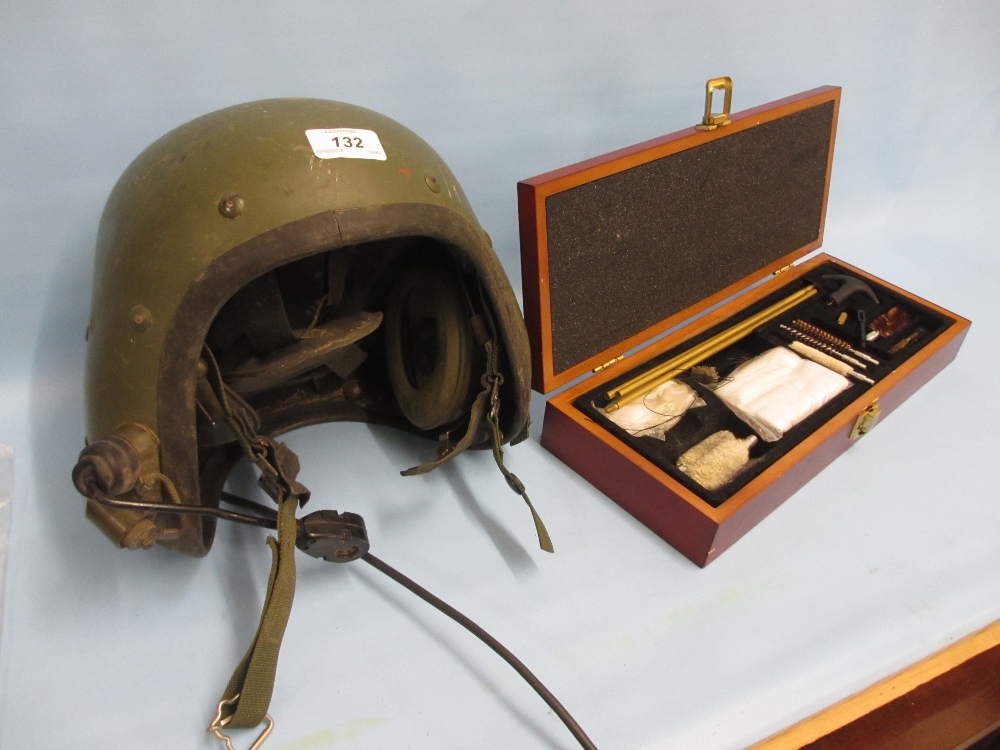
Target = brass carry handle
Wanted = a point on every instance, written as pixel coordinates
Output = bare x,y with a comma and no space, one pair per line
712,121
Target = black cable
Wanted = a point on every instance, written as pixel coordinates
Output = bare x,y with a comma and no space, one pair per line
490,641
243,502
182,509
270,522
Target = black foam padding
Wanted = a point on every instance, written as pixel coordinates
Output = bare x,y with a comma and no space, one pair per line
631,249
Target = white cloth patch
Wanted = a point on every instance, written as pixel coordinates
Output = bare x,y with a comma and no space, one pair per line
778,389
345,143
657,411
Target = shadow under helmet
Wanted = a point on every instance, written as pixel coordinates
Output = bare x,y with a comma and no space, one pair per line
278,264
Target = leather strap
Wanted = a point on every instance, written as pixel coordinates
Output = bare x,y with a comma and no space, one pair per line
475,419
262,310
495,380
491,381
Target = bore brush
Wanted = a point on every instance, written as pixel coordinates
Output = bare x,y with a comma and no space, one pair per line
817,344
828,362
834,341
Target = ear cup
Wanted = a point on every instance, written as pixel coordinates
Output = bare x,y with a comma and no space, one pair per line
429,347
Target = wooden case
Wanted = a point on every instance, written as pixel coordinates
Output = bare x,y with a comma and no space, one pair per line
678,233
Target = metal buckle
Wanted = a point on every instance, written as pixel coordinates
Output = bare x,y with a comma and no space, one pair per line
218,722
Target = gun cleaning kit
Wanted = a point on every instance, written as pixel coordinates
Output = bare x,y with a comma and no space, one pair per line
761,369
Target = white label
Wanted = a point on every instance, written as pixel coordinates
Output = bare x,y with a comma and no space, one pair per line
345,143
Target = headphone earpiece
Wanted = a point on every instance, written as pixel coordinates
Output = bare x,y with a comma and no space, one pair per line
429,346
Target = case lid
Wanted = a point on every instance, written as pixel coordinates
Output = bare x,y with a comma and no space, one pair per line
619,248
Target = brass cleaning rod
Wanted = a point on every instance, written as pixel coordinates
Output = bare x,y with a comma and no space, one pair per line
662,373
645,382
742,327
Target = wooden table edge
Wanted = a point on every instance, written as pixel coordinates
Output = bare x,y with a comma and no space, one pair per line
875,698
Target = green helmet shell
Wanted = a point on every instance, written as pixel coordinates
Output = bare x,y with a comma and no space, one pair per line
228,197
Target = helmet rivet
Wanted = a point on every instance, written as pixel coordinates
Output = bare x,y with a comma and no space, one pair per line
231,206
432,182
141,317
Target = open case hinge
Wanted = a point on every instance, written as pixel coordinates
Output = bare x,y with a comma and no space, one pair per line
783,269
610,362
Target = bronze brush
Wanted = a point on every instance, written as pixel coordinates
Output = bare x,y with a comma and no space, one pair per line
888,324
834,341
903,343
823,347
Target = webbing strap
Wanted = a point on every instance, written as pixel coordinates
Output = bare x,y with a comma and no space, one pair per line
248,694
252,683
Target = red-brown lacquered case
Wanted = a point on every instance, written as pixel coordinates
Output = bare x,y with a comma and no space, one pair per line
652,494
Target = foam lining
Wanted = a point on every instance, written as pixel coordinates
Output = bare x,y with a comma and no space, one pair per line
633,248
700,422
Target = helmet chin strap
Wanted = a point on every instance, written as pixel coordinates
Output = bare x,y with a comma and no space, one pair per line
246,698
326,534
337,537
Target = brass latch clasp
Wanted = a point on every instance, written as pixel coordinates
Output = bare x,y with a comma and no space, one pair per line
712,121
866,421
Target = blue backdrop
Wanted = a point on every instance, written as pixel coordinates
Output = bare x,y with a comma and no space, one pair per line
888,555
